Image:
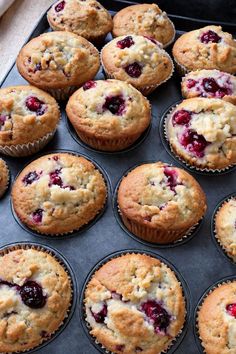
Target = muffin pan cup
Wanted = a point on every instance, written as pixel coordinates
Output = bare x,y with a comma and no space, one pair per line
216,241
84,227
218,283
186,293
165,141
187,237
67,267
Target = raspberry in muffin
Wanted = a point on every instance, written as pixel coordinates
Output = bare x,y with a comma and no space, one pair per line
88,19
109,115
138,60
135,303
202,132
35,295
160,203
28,120
210,84
147,20
205,48
4,177
58,193
217,320
225,227
58,62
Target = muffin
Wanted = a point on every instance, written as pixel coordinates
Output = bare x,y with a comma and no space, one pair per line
210,84
109,115
35,295
58,193
225,227
28,120
58,62
147,20
160,203
134,303
138,60
202,132
205,48
216,320
88,19
4,177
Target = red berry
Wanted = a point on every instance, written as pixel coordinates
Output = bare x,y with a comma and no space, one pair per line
125,43
231,309
59,7
210,36
133,70
181,117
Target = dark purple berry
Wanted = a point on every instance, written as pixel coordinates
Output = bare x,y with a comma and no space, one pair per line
89,84
172,177
32,294
37,216
100,316
194,142
181,117
115,104
35,105
210,85
55,179
133,70
59,7
125,43
30,178
158,315
3,119
120,347
190,83
210,36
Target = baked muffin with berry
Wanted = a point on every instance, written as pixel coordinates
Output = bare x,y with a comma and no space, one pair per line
202,132
58,193
160,203
147,20
210,84
28,120
109,115
217,320
4,177
225,230
138,60
205,48
35,293
58,62
88,19
135,303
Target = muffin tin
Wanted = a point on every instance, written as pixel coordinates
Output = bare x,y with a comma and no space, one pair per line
198,260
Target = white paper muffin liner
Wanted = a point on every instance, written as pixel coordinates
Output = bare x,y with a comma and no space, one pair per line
193,167
21,150
61,94
181,69
185,293
73,286
173,37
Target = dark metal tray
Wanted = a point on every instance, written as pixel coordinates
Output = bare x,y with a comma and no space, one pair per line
198,260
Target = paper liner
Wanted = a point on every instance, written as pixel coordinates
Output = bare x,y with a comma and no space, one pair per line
84,227
172,39
7,181
145,90
185,291
198,340
217,240
22,150
62,93
164,134
73,285
182,71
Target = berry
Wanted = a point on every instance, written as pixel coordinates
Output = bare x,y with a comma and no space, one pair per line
59,7
100,316
115,104
194,142
191,83
210,85
32,294
116,296
231,309
171,177
88,85
120,347
133,70
3,119
30,178
156,313
210,36
181,117
125,43
37,216
55,179
35,105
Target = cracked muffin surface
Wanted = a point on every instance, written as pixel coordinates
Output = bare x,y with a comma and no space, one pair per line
58,193
134,303
202,132
35,295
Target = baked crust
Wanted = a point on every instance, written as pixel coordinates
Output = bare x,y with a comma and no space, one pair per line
216,327
144,19
124,283
88,19
57,60
22,125
23,327
4,177
192,54
68,190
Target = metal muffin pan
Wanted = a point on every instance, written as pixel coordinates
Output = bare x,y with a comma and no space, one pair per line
197,260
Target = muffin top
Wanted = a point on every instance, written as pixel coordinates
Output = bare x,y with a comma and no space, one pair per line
225,223
109,109
211,84
203,131
217,320
147,20
57,60
88,19
134,303
138,60
4,176
160,196
206,48
26,114
35,294
58,193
